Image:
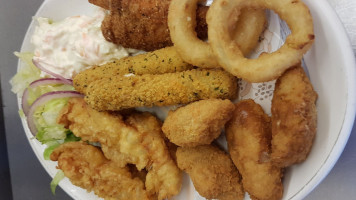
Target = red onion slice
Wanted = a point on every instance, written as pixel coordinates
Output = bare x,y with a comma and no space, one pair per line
45,81
42,68
43,100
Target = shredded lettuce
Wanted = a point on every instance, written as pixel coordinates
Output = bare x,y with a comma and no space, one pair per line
50,147
34,93
27,74
56,179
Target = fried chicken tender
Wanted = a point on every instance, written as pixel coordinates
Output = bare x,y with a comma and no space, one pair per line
161,61
294,117
248,135
213,174
86,167
119,142
163,177
197,123
142,24
122,92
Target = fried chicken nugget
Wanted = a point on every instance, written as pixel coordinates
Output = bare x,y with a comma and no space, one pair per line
197,123
121,92
248,135
86,167
163,177
119,142
294,117
142,24
213,174
160,61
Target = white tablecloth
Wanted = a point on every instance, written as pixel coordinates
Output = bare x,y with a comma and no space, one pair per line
346,9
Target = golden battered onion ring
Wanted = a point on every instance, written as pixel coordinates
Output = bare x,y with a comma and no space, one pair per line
181,23
268,66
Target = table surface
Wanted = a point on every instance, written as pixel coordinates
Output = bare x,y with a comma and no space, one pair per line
29,180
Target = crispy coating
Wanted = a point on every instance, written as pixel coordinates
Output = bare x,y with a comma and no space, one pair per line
121,92
119,142
163,177
248,135
142,24
213,174
86,167
294,117
197,123
161,61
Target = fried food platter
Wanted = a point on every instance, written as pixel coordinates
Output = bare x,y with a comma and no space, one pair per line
329,64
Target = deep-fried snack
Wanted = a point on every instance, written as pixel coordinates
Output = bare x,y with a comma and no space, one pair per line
213,174
268,66
86,167
119,142
294,117
248,135
142,24
121,92
181,21
163,177
197,123
157,62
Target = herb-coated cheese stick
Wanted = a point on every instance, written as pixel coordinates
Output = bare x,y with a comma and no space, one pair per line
121,92
157,62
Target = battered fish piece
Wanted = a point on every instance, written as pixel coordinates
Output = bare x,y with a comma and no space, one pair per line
119,142
213,174
122,92
142,24
198,123
160,61
86,167
163,177
248,135
294,117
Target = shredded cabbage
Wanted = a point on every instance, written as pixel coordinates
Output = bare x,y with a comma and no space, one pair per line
27,74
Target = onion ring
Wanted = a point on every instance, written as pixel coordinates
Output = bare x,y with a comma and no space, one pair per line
181,23
268,66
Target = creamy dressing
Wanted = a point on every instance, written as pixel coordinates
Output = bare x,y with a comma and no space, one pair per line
74,44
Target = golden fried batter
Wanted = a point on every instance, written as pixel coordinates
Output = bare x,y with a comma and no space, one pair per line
160,61
294,117
213,174
86,167
198,123
121,92
248,135
163,177
142,24
119,142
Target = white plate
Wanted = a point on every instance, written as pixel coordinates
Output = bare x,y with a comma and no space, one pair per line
331,68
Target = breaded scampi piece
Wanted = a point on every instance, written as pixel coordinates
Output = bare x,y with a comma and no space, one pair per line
212,172
163,178
86,167
142,24
119,142
294,117
121,92
157,62
197,123
248,135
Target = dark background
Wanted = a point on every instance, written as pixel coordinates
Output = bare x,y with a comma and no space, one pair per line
29,180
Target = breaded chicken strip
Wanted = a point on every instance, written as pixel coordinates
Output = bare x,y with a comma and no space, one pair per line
197,123
163,177
119,142
213,174
86,167
157,62
248,135
142,24
121,92
294,117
